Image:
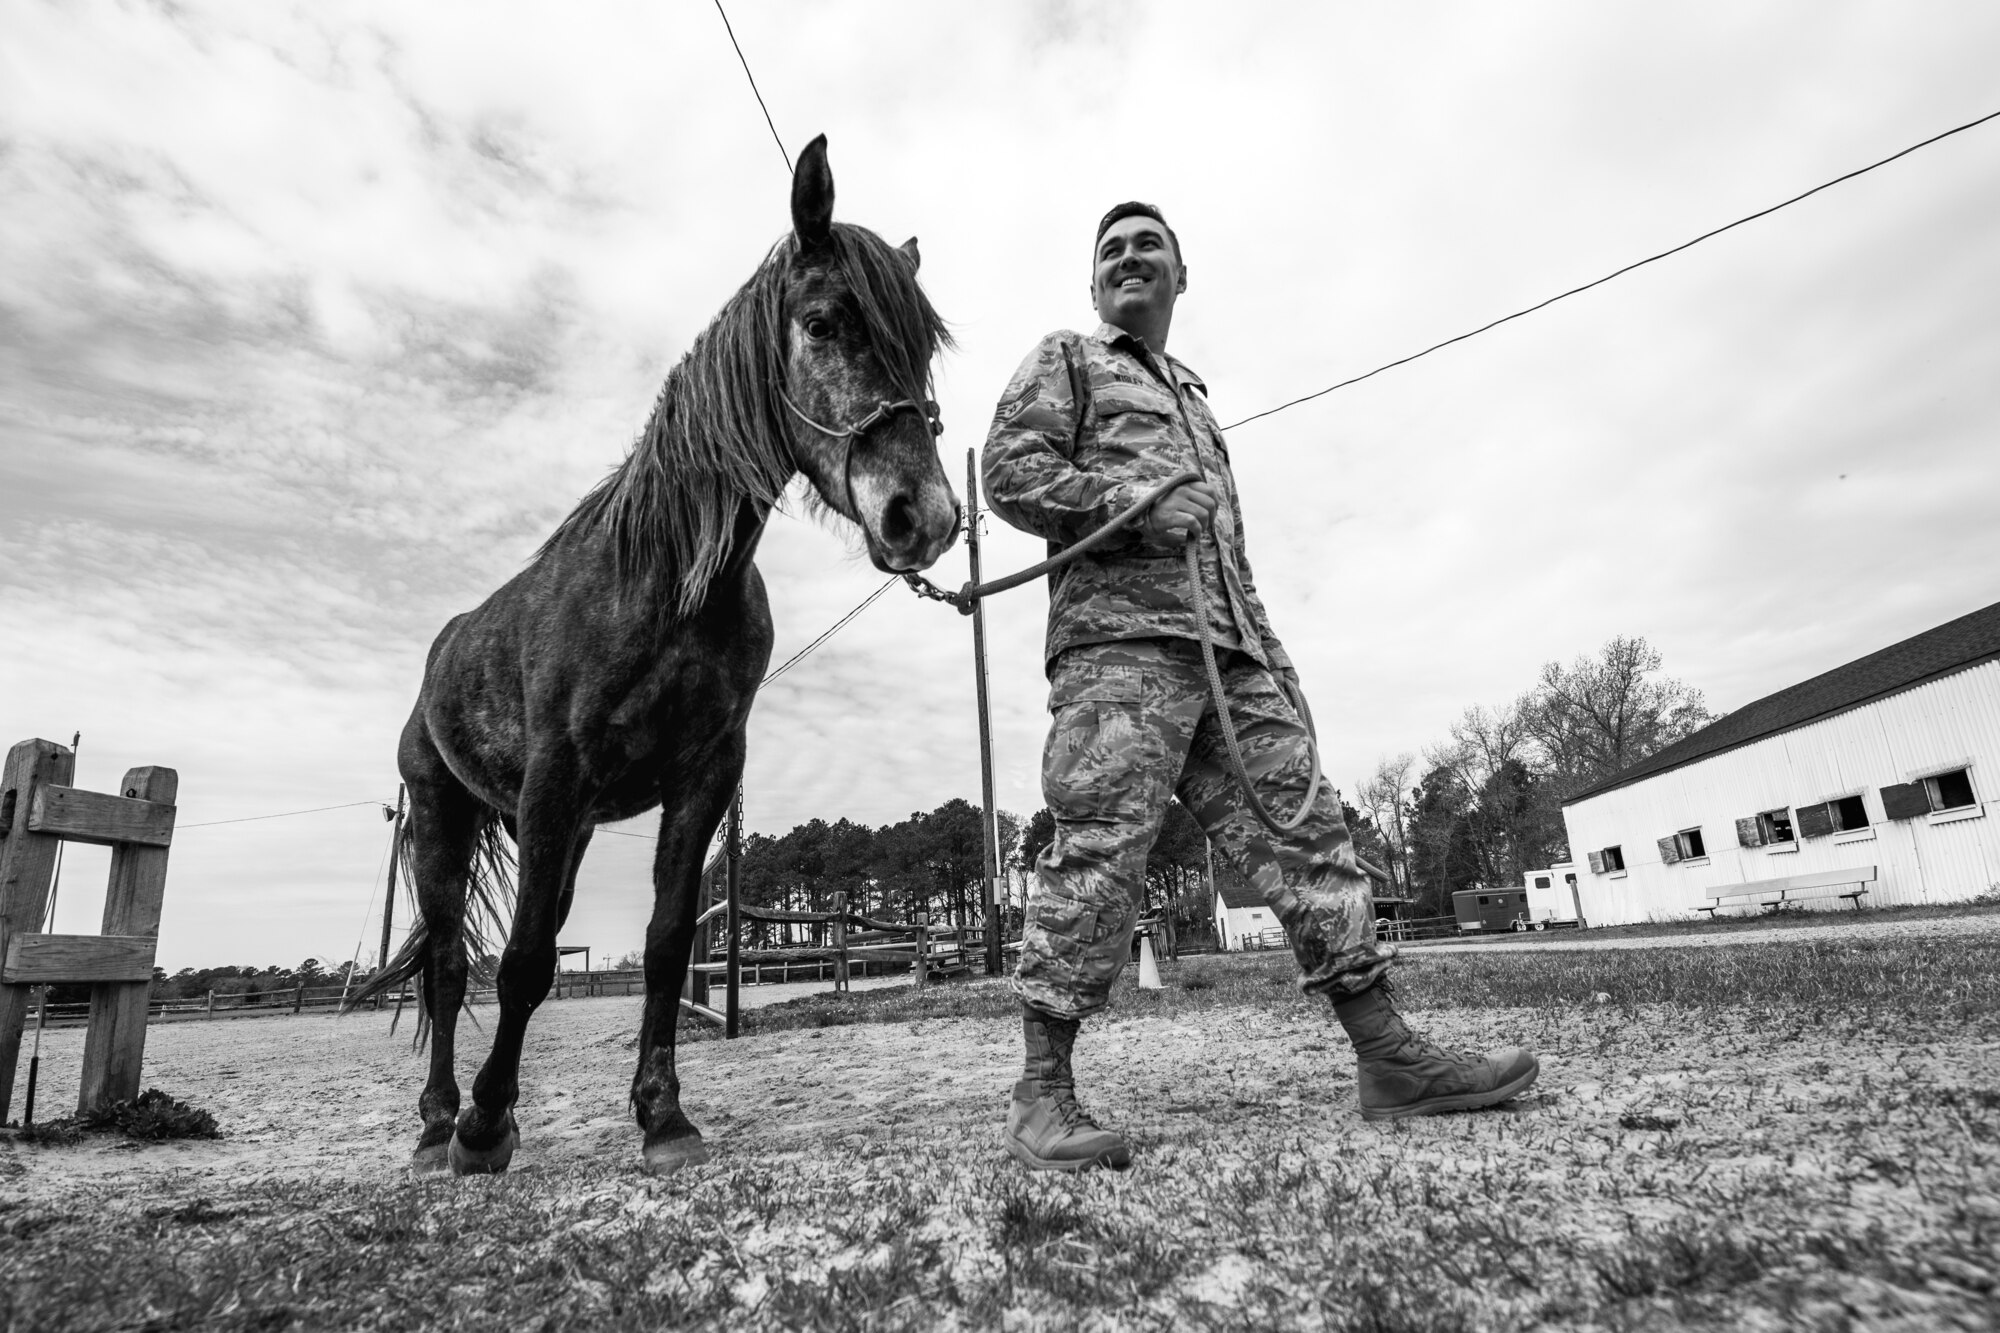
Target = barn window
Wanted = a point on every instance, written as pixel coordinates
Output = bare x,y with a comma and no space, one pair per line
1614,859
1541,881
1683,846
1776,825
1950,791
1849,812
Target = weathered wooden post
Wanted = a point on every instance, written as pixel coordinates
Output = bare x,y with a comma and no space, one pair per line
27,864
39,811
733,916
840,941
922,921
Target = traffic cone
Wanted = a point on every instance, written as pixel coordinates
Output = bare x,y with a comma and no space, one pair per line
1149,971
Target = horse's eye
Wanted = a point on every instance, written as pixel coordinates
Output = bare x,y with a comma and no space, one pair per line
818,328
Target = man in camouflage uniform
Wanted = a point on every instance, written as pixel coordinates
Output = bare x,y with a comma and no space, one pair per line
1087,427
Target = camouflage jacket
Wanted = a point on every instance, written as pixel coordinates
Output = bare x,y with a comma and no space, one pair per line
1086,427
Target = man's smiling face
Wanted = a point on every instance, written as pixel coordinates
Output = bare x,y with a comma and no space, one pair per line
1136,277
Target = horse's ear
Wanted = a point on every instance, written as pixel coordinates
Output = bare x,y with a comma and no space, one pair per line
812,196
908,250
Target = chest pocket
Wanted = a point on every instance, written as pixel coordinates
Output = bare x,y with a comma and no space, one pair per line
1134,421
1119,398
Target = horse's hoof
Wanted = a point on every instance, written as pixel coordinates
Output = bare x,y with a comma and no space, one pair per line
430,1161
670,1155
488,1162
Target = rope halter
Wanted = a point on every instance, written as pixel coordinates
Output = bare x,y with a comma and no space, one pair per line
885,411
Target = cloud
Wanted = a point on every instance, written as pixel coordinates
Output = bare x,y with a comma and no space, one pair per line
315,322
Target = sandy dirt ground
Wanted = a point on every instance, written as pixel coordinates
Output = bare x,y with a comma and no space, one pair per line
322,1096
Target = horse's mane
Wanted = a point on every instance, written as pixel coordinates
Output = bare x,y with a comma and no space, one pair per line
716,436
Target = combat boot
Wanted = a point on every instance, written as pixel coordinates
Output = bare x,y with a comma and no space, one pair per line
1046,1129
1402,1074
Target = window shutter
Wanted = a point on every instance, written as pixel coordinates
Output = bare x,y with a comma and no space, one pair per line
1670,851
1905,800
1748,834
1596,863
1815,821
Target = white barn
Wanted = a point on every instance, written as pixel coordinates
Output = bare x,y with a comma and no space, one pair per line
1889,764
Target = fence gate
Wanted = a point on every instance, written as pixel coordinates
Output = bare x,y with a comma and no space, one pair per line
39,811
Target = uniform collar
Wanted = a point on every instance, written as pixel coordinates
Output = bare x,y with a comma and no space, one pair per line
1113,336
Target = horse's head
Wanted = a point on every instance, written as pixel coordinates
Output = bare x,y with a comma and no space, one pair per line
860,336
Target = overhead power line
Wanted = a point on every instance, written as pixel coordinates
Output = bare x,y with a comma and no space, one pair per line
1766,212
753,86
834,629
286,814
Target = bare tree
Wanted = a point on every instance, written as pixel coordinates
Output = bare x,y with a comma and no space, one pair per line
1383,794
1599,715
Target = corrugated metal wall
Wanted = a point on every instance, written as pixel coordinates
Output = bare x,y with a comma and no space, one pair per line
1947,723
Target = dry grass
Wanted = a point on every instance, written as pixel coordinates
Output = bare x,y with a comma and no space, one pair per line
1759,1137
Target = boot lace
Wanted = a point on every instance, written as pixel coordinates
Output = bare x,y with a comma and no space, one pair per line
1062,1096
1415,1042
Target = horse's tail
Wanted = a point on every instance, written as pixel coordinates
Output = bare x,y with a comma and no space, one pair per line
488,907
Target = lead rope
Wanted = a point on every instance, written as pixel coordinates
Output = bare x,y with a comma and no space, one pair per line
964,598
1198,594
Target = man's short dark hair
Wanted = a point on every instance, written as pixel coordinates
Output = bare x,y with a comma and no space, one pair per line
1132,208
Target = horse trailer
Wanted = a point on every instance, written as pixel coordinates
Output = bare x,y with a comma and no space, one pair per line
1544,898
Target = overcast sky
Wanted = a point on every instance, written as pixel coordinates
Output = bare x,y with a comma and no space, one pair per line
314,321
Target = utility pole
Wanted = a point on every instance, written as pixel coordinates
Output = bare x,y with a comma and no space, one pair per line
389,902
1208,850
733,917
991,821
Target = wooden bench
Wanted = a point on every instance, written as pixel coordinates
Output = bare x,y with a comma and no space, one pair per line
1771,894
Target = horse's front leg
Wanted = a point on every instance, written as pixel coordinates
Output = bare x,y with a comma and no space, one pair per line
550,822
692,804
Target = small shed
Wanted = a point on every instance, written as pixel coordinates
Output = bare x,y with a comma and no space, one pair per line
1881,773
1242,918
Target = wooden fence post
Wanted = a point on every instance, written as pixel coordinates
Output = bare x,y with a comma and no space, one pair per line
27,864
117,1039
840,941
733,915
922,922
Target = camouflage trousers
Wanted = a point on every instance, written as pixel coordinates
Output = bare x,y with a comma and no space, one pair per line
1134,726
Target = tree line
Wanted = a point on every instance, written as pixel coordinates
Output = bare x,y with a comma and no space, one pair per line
933,863
1485,805
1479,808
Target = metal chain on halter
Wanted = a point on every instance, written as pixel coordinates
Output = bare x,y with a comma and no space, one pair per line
972,592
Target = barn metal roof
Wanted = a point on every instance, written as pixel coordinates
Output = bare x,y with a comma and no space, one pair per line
1951,647
1236,892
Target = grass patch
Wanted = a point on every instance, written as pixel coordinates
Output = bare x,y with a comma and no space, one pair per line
1956,981
1722,1172
1789,918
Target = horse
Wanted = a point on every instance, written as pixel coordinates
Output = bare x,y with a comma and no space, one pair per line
616,671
